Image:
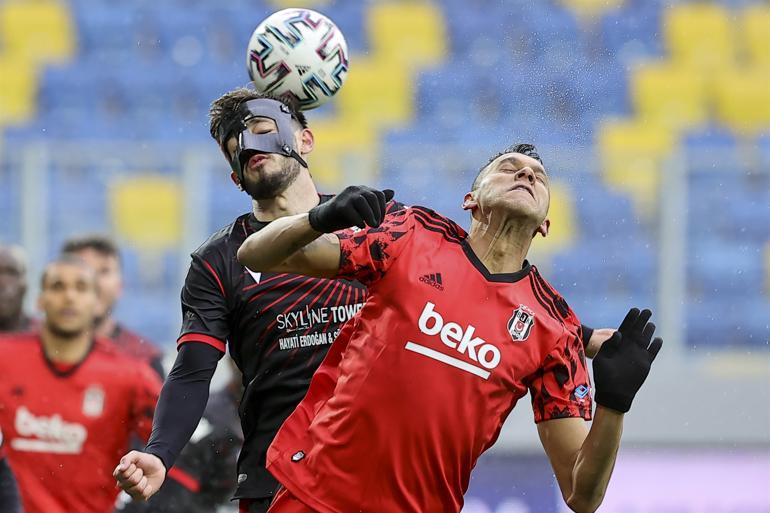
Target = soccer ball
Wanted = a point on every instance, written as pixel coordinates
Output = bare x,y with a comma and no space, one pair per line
298,53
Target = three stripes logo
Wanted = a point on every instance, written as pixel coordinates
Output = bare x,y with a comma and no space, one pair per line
434,280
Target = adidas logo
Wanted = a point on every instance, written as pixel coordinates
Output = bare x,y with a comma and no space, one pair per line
434,280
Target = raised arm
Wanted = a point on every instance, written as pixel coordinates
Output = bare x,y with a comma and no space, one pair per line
583,459
301,244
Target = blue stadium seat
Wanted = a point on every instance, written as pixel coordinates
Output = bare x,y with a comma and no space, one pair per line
726,270
716,324
633,32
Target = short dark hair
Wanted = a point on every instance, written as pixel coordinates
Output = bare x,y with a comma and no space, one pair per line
524,148
102,244
224,109
65,259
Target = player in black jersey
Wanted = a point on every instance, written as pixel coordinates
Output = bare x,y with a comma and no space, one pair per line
278,327
9,491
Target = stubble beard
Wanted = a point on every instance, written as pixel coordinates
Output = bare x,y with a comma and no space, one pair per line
274,184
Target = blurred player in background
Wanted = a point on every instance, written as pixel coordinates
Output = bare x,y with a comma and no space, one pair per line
397,416
70,401
102,254
9,492
13,288
203,478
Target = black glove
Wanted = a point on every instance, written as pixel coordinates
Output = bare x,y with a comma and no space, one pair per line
357,205
623,362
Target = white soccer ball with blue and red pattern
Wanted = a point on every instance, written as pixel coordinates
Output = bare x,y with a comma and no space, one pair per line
299,53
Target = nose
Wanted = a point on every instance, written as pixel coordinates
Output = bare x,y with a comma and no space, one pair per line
526,173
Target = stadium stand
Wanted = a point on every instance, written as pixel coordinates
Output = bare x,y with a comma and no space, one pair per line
632,81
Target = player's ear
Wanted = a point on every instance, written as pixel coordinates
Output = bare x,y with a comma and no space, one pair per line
469,202
235,180
306,141
543,228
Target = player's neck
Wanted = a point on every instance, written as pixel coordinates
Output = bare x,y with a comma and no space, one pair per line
502,248
65,349
105,327
298,198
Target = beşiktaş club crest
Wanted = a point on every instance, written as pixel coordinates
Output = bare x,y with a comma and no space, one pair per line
520,324
93,401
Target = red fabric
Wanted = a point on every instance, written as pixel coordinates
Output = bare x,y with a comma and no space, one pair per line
401,408
135,344
64,433
205,339
285,502
184,479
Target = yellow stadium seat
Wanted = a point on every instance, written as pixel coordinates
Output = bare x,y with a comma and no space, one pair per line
675,96
407,32
38,30
147,211
18,90
743,99
562,215
378,91
699,34
632,153
755,32
588,9
345,152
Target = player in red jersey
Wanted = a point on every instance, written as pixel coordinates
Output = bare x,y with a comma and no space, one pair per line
102,254
456,329
68,401
13,288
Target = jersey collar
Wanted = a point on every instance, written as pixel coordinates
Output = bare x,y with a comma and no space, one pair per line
495,277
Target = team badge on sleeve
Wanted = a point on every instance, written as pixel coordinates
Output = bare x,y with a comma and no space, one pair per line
520,324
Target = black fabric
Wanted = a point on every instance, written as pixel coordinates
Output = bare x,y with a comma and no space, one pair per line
208,458
586,332
9,492
624,361
182,401
357,205
277,327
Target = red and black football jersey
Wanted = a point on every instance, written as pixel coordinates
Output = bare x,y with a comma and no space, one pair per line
421,383
65,427
278,328
137,346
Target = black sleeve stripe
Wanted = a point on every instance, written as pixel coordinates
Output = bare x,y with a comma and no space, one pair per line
541,298
438,220
433,226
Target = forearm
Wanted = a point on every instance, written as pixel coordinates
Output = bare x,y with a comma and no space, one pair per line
268,248
595,461
182,401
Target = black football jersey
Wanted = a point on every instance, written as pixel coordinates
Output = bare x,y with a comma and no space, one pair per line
278,328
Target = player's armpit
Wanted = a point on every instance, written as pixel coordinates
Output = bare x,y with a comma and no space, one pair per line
291,245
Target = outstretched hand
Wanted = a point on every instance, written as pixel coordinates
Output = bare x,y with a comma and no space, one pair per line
357,205
140,474
624,361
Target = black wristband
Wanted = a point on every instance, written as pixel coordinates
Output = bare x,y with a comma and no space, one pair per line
587,333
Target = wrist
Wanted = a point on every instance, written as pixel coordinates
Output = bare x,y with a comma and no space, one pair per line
620,403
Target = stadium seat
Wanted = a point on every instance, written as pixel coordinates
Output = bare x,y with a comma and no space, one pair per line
699,34
345,152
40,31
755,33
146,211
591,9
742,99
380,91
563,230
18,89
672,95
631,33
632,153
407,32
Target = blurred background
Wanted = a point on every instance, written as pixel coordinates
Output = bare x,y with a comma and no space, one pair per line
652,117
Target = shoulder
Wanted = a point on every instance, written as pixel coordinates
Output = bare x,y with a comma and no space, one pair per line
221,240
25,341
552,300
436,223
135,344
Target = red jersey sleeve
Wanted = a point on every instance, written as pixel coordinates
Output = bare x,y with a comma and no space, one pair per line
561,388
146,388
366,255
